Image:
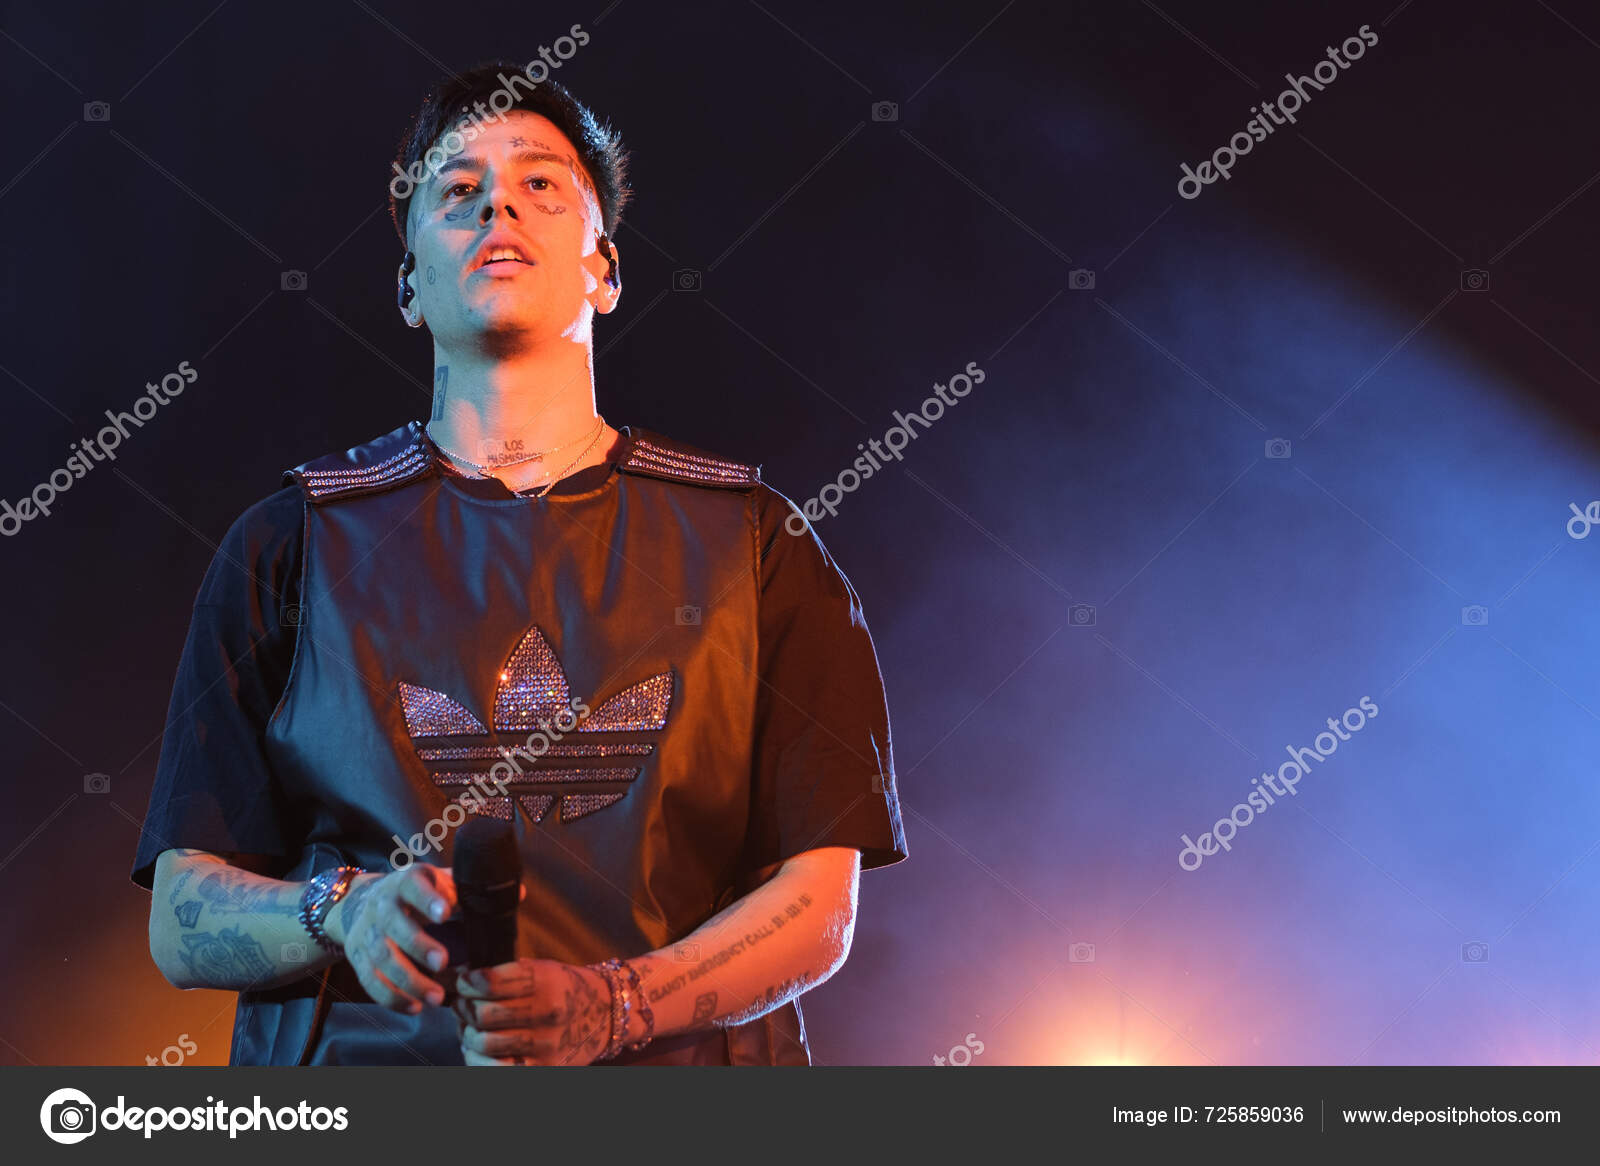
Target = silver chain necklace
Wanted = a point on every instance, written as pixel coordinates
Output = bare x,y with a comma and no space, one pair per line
536,455
484,471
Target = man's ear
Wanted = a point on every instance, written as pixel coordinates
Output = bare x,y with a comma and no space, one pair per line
610,288
406,291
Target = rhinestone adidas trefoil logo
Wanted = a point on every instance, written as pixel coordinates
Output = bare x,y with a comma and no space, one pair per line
532,698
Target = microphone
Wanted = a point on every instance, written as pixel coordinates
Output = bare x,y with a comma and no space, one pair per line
488,877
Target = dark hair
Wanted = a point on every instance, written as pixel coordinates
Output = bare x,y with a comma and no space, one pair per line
599,146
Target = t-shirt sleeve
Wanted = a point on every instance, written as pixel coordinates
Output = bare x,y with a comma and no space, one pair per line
214,789
824,767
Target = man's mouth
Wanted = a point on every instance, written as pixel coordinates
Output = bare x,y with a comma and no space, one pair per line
502,258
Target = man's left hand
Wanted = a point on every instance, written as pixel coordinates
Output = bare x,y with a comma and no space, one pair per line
532,1012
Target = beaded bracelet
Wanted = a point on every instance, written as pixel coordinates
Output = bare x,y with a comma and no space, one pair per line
624,983
619,1005
645,1012
321,894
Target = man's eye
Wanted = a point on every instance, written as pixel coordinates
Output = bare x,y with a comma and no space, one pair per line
540,178
450,193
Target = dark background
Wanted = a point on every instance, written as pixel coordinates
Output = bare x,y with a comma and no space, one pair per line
1114,457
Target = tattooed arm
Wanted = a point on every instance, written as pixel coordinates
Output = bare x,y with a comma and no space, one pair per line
216,925
781,939
784,937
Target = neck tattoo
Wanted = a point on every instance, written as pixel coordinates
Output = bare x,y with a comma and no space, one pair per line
441,377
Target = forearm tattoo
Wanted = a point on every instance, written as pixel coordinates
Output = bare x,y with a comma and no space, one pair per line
179,883
230,958
731,951
233,892
777,994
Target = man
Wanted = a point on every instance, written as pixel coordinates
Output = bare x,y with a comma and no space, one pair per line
603,637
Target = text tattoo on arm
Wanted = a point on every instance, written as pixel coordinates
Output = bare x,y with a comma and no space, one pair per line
179,883
731,951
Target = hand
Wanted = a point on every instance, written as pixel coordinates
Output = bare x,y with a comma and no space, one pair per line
533,1012
379,925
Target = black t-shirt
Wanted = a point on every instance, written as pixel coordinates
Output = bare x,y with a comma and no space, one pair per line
821,716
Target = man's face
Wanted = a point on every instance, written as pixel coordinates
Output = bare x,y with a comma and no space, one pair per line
506,239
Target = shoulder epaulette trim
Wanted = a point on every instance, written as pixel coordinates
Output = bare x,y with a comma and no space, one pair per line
396,467
340,474
664,461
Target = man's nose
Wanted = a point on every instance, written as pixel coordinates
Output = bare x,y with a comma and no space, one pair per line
486,215
499,200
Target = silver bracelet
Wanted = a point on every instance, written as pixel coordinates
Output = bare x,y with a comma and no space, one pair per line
322,893
611,970
646,1015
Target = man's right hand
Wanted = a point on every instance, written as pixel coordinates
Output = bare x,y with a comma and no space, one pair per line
379,923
